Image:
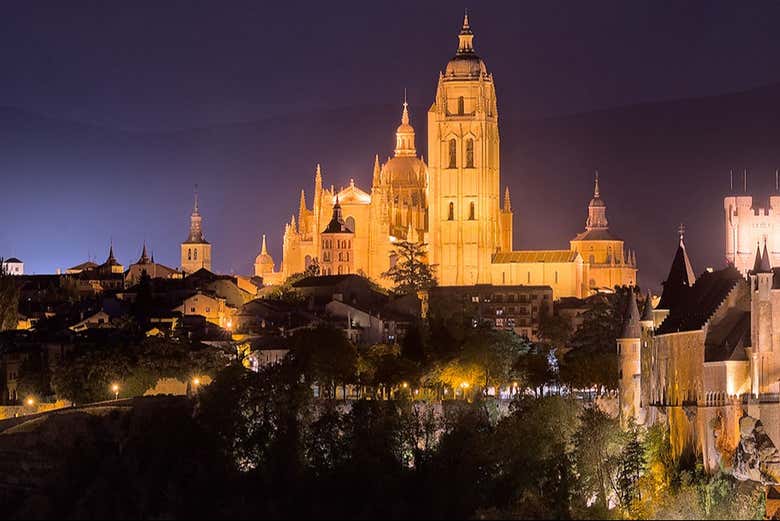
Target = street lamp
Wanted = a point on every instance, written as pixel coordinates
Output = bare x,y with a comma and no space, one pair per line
196,381
30,401
115,390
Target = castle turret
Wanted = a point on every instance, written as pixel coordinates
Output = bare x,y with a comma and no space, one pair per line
761,352
629,366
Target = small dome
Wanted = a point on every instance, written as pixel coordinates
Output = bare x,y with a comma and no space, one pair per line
597,202
465,66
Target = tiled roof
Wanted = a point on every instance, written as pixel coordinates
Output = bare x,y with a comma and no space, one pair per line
698,304
597,234
526,256
727,340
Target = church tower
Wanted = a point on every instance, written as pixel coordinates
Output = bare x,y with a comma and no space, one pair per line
463,145
195,251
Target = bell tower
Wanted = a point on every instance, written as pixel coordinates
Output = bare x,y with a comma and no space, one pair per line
463,147
195,251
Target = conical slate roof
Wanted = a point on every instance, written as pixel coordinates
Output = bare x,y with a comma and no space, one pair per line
631,326
680,278
761,264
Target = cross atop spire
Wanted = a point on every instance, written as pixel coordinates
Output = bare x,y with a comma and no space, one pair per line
596,186
195,208
681,232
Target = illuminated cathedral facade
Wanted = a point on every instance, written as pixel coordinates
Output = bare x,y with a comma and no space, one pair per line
453,203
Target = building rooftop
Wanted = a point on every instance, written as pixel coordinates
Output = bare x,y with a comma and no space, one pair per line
523,256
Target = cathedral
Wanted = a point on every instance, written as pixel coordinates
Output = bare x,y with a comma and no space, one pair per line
453,203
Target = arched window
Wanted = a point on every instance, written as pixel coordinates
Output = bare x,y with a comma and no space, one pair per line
453,153
469,153
341,270
592,259
195,254
189,253
307,261
393,260
471,212
350,222
341,257
451,214
461,106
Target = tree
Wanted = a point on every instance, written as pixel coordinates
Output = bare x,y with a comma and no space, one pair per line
591,359
534,370
9,299
632,464
598,446
411,272
323,355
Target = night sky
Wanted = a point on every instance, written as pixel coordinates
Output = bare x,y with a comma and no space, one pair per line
109,114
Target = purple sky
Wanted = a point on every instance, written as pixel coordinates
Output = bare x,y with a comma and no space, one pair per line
144,71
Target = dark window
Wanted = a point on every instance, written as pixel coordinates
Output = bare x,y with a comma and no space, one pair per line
469,153
453,153
471,212
461,106
451,214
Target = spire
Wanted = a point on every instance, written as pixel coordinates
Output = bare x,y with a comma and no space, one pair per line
466,37
762,264
597,209
507,200
336,224
647,312
263,249
404,135
631,326
302,209
317,181
111,259
377,171
144,257
757,261
196,231
680,277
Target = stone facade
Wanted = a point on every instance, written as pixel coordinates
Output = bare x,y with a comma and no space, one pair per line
707,367
453,203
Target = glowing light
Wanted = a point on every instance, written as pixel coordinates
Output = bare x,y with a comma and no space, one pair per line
404,385
230,324
196,381
30,402
465,385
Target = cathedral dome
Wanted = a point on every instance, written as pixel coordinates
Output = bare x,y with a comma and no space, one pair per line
465,66
403,171
264,263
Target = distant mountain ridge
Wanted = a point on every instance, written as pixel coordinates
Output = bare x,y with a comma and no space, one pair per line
661,163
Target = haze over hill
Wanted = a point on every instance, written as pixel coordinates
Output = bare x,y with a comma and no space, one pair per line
651,157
